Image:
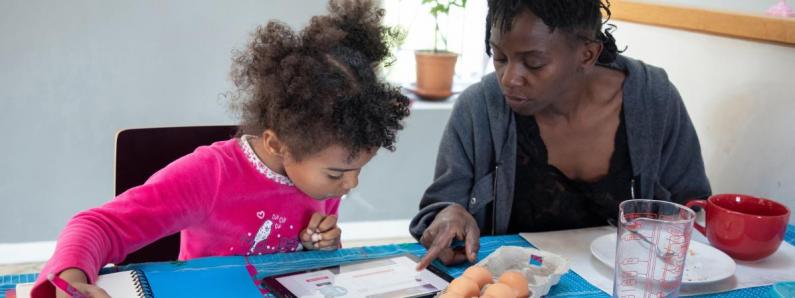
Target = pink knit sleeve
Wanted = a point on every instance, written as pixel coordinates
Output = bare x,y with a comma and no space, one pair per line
173,198
332,206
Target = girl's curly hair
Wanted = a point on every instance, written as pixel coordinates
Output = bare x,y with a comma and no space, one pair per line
318,87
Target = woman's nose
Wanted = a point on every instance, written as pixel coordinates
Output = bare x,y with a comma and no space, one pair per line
512,76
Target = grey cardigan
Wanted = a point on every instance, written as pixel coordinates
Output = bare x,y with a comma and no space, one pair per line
475,166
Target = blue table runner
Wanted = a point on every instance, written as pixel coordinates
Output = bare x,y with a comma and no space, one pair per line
225,276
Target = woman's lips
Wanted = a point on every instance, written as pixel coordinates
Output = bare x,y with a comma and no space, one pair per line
515,99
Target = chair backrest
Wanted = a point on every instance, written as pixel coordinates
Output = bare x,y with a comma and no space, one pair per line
141,152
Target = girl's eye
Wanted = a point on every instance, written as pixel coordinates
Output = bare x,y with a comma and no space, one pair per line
332,177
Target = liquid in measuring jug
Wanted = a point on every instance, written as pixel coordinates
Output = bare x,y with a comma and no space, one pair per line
651,252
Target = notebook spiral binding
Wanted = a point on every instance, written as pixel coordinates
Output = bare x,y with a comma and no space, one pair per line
142,287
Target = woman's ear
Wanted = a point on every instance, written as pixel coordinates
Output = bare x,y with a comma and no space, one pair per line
272,144
589,53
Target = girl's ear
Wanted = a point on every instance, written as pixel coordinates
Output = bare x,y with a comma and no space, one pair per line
273,145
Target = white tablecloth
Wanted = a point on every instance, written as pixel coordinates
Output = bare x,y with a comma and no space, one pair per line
575,245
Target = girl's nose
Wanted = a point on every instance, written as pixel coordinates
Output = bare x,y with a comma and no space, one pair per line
350,181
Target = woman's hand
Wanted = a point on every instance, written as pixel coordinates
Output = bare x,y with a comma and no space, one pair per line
321,233
452,223
78,280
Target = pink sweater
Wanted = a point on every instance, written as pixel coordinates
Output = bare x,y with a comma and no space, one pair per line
221,197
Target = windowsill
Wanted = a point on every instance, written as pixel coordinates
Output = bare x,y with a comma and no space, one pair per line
417,103
372,230
26,252
422,104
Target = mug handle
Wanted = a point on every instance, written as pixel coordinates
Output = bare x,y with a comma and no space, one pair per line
703,205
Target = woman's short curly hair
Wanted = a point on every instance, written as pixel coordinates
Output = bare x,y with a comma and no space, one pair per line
319,87
582,19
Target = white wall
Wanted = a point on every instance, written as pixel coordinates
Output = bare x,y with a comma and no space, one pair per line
74,72
757,7
741,97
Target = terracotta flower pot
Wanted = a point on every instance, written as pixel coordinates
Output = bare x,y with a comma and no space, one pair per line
435,74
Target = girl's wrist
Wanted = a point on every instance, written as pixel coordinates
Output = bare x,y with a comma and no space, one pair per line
73,275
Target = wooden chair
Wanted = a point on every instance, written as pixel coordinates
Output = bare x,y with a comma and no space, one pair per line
140,152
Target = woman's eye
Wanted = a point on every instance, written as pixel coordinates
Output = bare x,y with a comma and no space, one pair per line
536,66
332,177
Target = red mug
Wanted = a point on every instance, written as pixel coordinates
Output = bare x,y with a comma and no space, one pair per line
745,227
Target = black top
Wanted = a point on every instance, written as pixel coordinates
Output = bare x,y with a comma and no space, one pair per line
545,199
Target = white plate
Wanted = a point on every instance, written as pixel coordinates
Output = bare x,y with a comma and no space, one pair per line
703,264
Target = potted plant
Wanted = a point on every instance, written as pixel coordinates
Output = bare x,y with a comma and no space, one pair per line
435,68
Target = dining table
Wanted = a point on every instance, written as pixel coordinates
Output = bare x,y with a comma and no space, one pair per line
215,276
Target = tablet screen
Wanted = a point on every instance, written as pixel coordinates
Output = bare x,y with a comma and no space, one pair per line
388,277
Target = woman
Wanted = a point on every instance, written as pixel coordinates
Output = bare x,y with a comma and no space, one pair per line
562,132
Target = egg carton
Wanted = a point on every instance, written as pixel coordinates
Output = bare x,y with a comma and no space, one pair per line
542,269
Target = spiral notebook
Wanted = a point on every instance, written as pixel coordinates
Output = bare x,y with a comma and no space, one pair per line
123,284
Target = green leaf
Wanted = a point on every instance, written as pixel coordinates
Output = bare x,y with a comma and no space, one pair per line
462,4
442,7
437,9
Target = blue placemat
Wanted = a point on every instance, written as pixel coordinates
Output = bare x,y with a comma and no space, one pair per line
571,284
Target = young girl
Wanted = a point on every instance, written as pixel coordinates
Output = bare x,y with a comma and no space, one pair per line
313,114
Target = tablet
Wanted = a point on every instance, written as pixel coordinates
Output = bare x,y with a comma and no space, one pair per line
393,276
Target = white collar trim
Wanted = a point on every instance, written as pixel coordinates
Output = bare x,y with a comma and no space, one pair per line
259,165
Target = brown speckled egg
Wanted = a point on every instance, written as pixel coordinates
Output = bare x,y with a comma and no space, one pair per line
500,290
517,281
464,286
480,275
450,295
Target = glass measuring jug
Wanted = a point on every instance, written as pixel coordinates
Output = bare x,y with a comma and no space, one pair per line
653,238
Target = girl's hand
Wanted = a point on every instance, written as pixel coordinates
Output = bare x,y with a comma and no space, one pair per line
79,281
322,233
